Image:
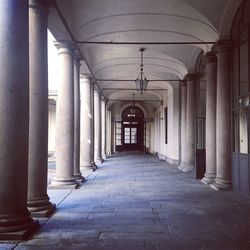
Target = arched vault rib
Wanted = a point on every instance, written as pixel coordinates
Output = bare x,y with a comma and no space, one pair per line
100,19
169,69
184,35
115,94
112,60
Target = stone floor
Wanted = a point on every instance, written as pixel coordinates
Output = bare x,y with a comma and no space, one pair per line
135,202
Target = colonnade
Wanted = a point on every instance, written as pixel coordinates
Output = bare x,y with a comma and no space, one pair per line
80,119
218,119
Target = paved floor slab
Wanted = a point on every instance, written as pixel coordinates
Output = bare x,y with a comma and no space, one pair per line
135,202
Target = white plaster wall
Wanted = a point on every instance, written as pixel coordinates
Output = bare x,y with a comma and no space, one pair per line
157,132
52,126
170,151
152,138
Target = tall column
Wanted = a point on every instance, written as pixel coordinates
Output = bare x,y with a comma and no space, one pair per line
183,120
108,137
223,117
92,87
97,127
15,220
77,173
110,132
64,177
87,139
103,128
38,200
211,64
188,157
112,135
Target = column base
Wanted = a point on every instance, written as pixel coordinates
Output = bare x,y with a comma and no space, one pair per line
17,226
41,208
221,185
63,184
180,167
94,166
89,167
99,161
21,235
208,179
79,178
186,167
44,213
108,154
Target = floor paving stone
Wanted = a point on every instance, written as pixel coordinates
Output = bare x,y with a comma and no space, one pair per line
134,201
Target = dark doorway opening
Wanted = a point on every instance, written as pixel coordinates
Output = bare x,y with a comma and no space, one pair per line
132,129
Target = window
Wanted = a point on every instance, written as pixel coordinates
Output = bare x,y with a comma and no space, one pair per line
118,131
130,135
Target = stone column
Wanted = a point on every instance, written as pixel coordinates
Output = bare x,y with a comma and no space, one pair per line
87,139
92,87
108,129
97,127
64,177
183,120
38,200
15,220
110,138
211,64
223,117
103,128
77,172
188,157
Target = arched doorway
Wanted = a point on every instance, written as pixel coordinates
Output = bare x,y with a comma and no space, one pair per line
132,129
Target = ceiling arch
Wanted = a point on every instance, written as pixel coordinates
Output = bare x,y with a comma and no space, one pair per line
135,22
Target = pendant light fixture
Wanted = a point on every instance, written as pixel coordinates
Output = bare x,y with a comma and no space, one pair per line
141,81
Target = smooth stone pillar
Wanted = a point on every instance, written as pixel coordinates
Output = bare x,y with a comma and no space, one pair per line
64,177
188,157
77,173
92,155
15,220
38,200
97,127
183,120
103,124
211,65
223,180
87,139
108,129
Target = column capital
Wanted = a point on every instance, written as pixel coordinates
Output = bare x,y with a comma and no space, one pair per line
65,47
96,92
223,46
103,99
210,57
41,6
190,77
85,78
77,57
38,3
108,106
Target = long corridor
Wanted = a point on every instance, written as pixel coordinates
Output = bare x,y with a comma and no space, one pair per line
135,202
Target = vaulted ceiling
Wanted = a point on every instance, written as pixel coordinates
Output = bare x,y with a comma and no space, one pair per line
188,26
